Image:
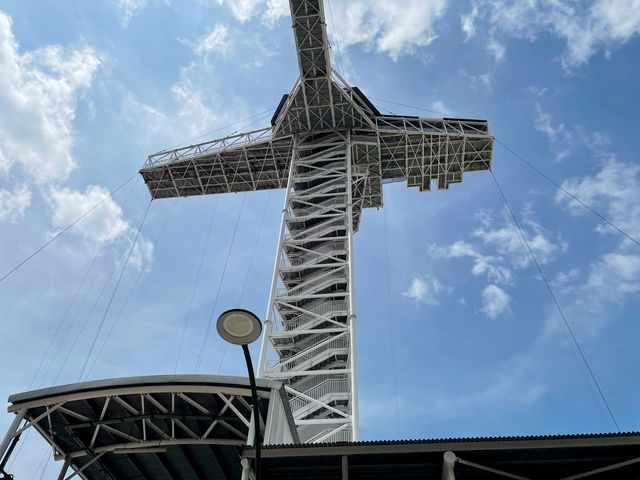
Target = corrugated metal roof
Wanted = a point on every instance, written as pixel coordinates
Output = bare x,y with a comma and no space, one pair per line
535,457
422,441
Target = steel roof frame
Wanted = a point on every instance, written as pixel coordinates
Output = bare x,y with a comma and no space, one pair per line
88,423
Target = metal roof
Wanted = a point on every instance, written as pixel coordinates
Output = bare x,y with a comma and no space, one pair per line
548,440
596,456
156,427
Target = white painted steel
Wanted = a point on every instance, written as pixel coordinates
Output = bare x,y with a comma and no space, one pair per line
351,319
313,297
268,323
12,432
448,466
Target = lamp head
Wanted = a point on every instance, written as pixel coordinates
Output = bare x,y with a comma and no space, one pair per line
238,326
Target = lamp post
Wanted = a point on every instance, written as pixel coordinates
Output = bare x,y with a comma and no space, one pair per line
241,327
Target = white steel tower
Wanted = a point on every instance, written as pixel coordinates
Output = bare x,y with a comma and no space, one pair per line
332,151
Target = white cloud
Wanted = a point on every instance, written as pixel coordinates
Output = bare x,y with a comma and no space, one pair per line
480,81
564,139
14,203
497,50
495,301
142,253
394,28
440,108
613,277
586,27
425,290
129,8
38,94
617,274
504,239
193,107
614,189
537,91
275,10
270,10
103,226
560,138
467,22
482,264
565,282
217,40
497,251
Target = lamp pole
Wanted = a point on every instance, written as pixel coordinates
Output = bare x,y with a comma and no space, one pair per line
242,327
257,438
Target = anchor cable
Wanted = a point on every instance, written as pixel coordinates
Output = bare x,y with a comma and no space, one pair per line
195,283
568,193
555,301
65,229
115,289
131,289
215,301
246,276
335,33
391,329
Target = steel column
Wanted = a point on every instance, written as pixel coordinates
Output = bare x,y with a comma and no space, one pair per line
351,319
268,322
13,428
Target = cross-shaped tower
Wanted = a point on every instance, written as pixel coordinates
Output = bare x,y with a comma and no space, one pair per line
332,150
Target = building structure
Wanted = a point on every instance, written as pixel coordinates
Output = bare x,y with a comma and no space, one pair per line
332,151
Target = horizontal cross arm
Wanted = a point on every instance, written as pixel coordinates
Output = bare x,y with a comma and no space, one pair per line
420,150
245,162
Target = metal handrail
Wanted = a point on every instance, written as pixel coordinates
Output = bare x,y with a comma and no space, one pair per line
316,230
307,319
312,285
213,146
341,341
330,386
341,436
309,382
299,212
322,172
320,252
318,189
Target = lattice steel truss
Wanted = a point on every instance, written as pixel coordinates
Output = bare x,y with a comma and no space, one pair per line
161,427
332,150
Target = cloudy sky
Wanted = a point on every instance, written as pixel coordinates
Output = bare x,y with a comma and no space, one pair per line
458,335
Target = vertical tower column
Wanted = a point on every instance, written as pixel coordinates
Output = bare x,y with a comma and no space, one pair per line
310,318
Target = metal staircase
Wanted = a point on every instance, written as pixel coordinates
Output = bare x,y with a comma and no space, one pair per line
309,322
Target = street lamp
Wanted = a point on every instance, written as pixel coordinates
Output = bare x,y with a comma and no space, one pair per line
241,327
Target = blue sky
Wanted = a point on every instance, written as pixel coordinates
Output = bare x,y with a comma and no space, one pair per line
457,334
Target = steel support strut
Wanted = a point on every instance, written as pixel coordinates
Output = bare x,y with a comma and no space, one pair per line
11,438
